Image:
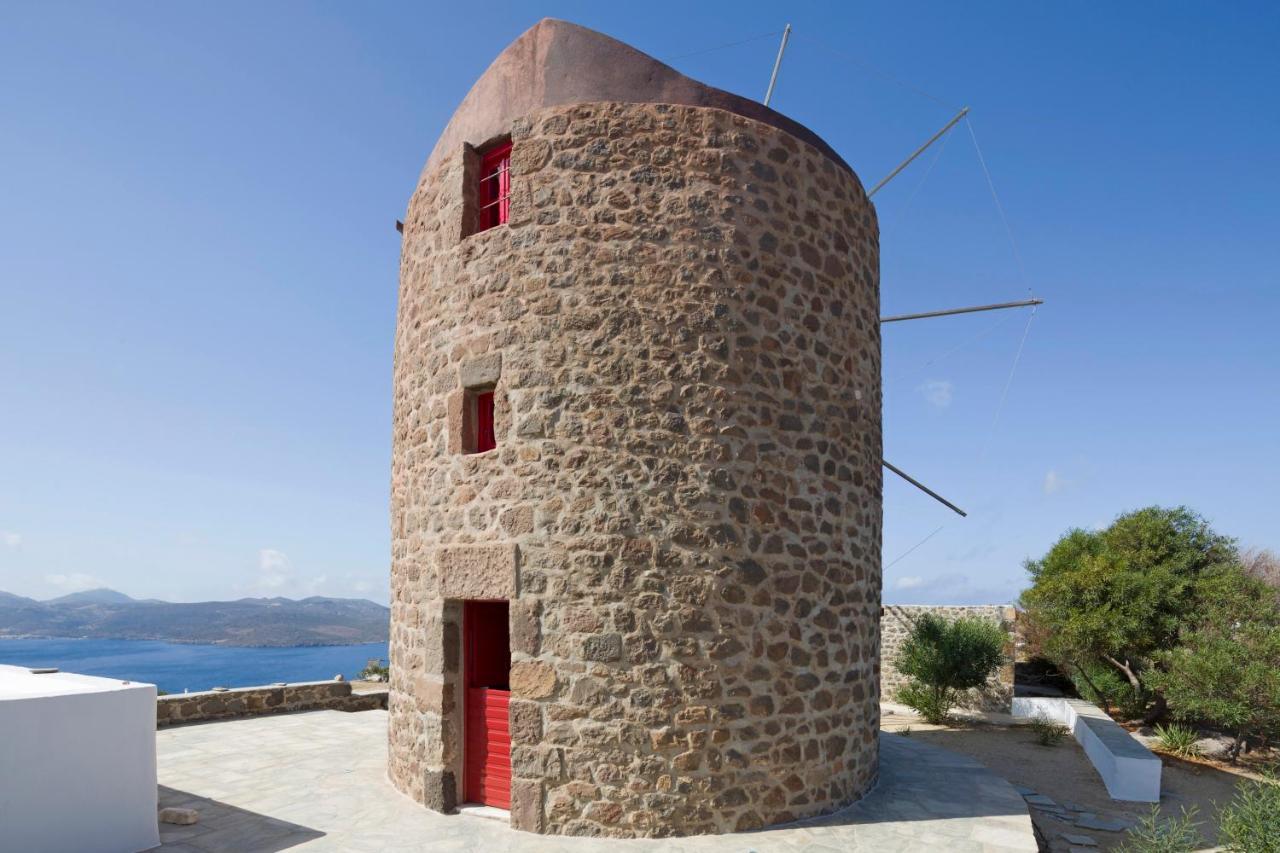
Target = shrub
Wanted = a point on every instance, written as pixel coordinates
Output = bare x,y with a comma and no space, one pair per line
1180,740
1227,669
943,658
1047,732
1175,835
927,703
375,670
1250,823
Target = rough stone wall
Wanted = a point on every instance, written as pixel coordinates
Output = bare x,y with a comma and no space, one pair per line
209,705
895,625
680,323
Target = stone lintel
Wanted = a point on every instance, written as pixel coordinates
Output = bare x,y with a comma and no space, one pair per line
480,371
471,572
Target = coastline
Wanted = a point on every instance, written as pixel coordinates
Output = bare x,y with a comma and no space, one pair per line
227,644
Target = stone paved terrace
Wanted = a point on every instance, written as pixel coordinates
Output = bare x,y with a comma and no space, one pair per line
317,781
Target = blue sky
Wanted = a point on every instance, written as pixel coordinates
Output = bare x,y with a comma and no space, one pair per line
198,269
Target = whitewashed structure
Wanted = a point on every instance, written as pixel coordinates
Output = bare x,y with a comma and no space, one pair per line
1128,769
77,763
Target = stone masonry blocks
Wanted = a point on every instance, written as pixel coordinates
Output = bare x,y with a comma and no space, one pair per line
681,319
477,571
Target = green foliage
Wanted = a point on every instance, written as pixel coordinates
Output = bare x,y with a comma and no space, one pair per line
375,670
1117,596
927,702
1180,740
1226,670
1250,823
943,658
1047,732
1174,835
1103,685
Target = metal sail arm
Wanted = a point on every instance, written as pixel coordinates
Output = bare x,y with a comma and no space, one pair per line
777,63
922,487
947,312
914,154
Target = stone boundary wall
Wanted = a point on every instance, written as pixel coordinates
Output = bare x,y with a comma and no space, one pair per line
209,705
895,624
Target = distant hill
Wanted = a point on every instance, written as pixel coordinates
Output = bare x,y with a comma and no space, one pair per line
105,614
93,596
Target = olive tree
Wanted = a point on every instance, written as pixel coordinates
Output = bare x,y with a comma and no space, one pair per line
1115,597
942,658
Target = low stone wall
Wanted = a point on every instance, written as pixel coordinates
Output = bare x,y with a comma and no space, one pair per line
272,699
895,624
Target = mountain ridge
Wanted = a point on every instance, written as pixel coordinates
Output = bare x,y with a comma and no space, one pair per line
106,614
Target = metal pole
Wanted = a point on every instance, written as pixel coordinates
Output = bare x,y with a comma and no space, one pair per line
1025,303
907,162
922,487
777,63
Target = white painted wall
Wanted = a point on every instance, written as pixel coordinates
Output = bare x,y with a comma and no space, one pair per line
77,763
1128,769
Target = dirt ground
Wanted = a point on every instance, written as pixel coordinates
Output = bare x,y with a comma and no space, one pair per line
1064,773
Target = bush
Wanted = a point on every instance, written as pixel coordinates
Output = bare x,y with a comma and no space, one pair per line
1180,740
1176,835
1047,732
375,670
1250,823
1226,670
943,658
926,702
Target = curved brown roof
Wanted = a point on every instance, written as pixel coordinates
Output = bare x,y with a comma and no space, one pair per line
555,63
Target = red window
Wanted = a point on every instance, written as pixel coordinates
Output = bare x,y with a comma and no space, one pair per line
495,186
484,422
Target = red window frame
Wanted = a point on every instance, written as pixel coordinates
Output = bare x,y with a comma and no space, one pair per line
495,186
485,438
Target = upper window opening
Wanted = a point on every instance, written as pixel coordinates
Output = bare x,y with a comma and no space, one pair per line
485,439
495,186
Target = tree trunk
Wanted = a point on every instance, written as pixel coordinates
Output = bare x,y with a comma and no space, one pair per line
1127,670
1156,712
1234,752
1106,706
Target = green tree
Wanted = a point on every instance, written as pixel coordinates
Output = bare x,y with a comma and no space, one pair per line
943,658
1117,596
1227,669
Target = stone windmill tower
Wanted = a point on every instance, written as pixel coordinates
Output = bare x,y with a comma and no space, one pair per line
636,488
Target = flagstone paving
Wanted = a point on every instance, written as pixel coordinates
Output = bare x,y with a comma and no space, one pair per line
317,781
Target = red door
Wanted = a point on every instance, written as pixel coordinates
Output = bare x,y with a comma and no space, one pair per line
487,659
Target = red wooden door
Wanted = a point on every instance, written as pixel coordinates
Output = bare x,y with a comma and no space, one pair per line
487,659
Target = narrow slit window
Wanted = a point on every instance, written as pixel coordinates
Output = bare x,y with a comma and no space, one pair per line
495,186
485,439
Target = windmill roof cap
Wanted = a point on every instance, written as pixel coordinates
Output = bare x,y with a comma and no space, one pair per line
557,63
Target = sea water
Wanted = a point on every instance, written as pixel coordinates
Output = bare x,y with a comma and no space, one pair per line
180,667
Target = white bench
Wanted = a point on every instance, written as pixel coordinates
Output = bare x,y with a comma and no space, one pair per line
1128,769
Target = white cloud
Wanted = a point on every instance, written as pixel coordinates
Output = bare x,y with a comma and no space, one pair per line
74,582
362,586
938,392
10,539
909,582
275,569
1053,483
